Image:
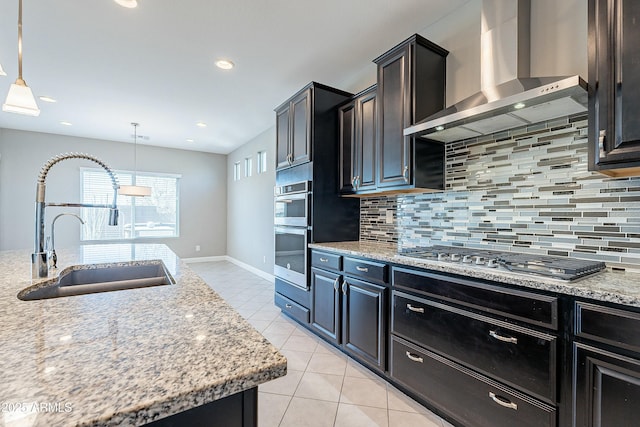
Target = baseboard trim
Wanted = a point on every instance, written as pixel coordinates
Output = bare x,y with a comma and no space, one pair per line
206,259
250,268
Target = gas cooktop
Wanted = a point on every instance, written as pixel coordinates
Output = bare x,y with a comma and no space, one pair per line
540,265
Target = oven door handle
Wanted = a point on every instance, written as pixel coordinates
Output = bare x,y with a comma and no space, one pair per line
291,230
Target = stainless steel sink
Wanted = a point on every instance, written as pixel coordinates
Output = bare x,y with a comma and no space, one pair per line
101,279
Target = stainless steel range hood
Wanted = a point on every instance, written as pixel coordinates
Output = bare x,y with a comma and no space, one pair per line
509,98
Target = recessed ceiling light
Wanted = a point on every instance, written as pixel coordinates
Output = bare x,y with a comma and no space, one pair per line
201,125
65,123
47,99
224,64
189,140
439,128
519,105
130,4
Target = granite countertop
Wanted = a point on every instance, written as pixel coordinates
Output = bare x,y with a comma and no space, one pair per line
611,286
125,357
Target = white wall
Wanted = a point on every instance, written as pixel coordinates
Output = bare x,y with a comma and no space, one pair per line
203,215
558,45
250,205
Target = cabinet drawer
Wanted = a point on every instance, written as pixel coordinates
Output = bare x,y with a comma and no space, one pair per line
326,260
369,270
528,307
292,308
521,357
472,399
612,326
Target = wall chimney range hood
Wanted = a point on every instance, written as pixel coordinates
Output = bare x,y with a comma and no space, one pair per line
509,97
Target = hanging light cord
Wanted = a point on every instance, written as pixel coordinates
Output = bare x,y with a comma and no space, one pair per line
20,41
135,151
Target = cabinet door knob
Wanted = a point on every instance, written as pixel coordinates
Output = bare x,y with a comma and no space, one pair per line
503,402
414,358
363,269
405,174
496,335
416,309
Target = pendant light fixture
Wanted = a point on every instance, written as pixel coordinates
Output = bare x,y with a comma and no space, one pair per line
2,73
20,98
134,190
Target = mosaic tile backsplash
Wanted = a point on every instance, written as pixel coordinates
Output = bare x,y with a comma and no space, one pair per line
523,190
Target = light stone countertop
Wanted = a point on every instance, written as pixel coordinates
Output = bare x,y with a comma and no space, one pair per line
609,286
125,357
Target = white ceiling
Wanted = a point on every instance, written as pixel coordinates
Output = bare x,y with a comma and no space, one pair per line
109,66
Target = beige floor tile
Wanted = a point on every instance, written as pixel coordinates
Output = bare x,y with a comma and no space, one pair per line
286,385
327,363
263,314
361,416
365,392
309,413
399,401
278,340
298,343
404,419
325,347
260,325
271,409
356,370
280,328
296,360
320,386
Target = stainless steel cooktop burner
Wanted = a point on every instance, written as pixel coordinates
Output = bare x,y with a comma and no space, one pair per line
541,265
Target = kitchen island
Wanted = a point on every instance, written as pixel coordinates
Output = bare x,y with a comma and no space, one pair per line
127,357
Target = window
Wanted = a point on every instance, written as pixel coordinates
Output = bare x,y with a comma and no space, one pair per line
262,161
248,166
236,171
153,216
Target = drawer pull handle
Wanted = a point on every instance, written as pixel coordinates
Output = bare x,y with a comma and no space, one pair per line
363,269
324,259
416,309
415,358
344,287
503,402
288,306
336,284
494,334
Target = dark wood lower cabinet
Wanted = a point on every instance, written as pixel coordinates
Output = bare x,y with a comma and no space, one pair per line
364,321
237,410
470,398
350,313
326,299
606,388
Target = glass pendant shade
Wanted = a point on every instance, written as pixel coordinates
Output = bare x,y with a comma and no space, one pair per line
134,190
2,73
20,100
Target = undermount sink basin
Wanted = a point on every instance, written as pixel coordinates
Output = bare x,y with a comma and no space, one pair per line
101,279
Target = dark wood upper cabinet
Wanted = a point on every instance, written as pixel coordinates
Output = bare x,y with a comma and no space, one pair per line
293,133
411,87
306,123
614,87
358,143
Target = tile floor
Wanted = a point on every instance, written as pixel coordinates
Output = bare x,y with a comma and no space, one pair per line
323,387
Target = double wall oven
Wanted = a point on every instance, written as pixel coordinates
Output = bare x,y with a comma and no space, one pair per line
292,225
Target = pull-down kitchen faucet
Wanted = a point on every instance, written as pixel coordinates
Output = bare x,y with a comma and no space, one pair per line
39,261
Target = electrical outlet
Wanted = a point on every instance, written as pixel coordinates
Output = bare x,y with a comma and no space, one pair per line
197,248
